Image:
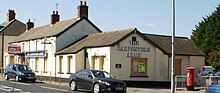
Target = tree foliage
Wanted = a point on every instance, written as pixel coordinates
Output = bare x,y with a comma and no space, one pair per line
207,33
207,37
214,59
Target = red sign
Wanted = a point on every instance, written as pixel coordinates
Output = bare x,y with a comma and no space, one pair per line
14,48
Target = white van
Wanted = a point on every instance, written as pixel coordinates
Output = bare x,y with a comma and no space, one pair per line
207,70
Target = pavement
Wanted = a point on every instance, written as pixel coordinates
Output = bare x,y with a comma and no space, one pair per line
140,90
145,90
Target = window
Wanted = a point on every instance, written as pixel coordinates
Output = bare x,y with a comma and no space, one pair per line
36,45
45,64
37,65
69,64
60,63
93,62
22,47
82,73
11,59
138,67
134,39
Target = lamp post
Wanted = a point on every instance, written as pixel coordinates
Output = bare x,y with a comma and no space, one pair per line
173,49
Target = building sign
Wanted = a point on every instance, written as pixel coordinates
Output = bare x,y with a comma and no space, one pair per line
14,48
117,65
35,54
133,50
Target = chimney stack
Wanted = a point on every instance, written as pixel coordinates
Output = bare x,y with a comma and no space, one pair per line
29,25
55,17
10,15
82,9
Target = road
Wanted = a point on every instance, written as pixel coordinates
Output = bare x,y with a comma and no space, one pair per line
28,87
46,87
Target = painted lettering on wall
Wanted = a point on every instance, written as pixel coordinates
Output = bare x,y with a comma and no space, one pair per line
133,50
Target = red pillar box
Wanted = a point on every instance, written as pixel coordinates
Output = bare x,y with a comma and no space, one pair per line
190,78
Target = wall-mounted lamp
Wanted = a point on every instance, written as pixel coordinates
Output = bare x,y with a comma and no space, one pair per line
45,41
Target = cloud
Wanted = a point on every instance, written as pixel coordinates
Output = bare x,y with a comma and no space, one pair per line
151,25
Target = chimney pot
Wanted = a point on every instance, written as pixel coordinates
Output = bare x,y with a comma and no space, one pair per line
85,3
81,2
10,15
55,17
29,25
82,10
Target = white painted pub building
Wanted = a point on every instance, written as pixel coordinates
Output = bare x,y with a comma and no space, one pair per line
64,47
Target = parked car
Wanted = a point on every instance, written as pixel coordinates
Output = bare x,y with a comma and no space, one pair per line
96,81
216,78
214,88
19,72
208,71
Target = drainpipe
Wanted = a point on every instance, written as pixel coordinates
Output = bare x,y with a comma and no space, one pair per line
3,39
55,67
85,55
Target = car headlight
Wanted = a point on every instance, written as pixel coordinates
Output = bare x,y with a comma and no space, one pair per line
106,83
22,74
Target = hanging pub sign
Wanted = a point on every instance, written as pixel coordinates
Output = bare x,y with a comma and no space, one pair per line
14,48
35,54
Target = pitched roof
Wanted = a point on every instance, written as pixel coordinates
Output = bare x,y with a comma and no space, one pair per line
50,30
13,27
97,40
46,30
183,45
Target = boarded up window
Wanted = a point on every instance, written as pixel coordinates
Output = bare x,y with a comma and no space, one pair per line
11,59
60,63
45,63
138,66
69,64
37,64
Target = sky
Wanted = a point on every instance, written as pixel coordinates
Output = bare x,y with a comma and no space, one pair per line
148,16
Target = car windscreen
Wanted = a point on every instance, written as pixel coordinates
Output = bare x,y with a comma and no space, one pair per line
24,68
102,74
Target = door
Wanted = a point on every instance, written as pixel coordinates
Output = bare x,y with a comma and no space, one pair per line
79,78
9,70
88,81
178,66
13,71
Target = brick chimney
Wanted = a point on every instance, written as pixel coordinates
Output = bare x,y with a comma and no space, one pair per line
82,9
55,17
10,15
29,25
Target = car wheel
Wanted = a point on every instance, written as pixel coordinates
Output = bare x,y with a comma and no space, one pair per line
97,88
73,85
6,77
16,78
33,81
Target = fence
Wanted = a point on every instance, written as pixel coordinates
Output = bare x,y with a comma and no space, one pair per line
201,82
40,75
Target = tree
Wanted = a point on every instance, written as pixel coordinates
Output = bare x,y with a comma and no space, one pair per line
214,59
207,33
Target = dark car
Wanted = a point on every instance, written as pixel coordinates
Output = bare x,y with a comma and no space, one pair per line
96,81
19,72
214,88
